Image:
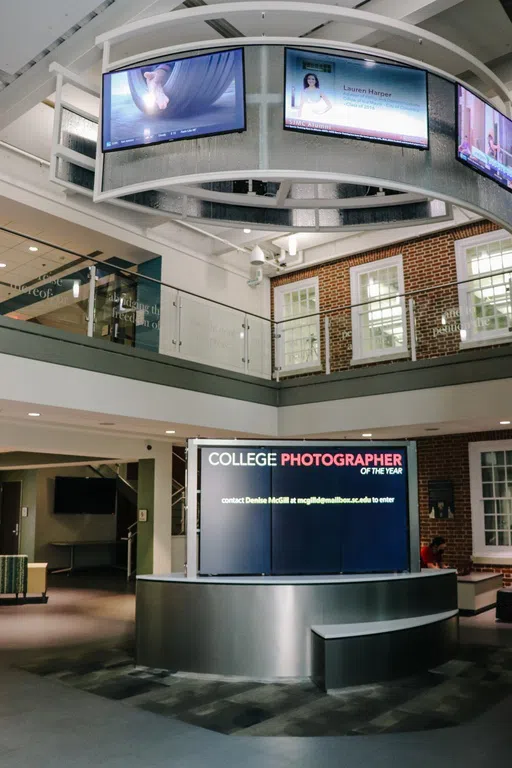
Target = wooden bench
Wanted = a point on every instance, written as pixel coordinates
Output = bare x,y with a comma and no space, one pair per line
373,651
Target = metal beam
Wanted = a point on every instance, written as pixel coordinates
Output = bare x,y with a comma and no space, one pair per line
282,193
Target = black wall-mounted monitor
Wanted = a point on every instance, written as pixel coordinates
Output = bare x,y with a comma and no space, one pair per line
358,98
484,138
184,98
84,496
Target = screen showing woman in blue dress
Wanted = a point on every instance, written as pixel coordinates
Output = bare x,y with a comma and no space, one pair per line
362,98
313,101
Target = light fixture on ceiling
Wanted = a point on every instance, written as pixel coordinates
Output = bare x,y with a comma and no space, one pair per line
247,231
292,245
34,414
257,256
170,431
504,422
76,289
33,248
367,434
2,265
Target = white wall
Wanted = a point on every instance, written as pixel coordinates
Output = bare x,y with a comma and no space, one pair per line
480,405
51,527
46,384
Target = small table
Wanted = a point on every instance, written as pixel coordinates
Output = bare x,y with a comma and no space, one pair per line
72,545
477,592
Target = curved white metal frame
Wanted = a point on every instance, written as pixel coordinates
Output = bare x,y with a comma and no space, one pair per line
280,175
363,18
293,42
225,10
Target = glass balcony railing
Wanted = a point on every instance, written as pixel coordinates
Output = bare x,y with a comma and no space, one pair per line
108,300
103,299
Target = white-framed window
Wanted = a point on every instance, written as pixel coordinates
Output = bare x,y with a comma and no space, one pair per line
378,310
485,301
298,326
490,465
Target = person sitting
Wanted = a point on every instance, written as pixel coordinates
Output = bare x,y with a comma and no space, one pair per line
432,555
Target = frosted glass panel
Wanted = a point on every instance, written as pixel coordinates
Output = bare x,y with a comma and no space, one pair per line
211,334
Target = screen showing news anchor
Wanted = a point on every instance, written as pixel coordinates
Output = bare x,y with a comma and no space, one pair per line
358,98
484,138
181,99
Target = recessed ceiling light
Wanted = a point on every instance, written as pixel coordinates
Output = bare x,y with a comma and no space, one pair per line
367,434
504,422
2,265
33,248
170,431
247,231
34,414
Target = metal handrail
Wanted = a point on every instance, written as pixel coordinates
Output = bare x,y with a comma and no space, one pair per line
405,295
177,492
272,322
130,272
177,456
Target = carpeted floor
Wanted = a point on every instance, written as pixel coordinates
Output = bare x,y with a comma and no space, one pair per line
455,693
84,637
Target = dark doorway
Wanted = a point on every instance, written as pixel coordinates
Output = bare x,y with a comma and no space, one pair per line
10,501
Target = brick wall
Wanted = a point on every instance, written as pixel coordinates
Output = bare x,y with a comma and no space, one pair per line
447,458
428,261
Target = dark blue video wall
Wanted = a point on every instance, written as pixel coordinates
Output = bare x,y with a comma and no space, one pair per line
303,510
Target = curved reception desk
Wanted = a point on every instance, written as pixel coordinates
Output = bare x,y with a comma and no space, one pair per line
330,628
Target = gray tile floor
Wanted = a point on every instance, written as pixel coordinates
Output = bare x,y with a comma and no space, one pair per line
455,693
46,722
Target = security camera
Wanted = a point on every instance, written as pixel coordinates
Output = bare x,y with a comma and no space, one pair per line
149,447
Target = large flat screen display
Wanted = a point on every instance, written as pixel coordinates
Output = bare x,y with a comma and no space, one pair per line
484,139
362,99
85,496
180,99
303,510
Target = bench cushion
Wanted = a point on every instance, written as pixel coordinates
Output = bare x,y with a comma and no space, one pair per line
13,574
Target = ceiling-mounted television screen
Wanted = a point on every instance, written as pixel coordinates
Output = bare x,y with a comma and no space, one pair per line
484,138
183,98
85,496
358,98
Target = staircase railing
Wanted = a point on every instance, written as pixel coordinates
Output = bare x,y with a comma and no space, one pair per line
130,538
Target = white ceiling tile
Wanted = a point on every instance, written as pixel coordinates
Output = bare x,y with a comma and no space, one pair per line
34,26
8,240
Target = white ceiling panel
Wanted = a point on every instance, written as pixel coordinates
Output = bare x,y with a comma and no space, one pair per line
32,131
279,23
33,26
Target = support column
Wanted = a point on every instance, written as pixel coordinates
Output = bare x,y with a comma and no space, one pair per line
154,495
162,528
